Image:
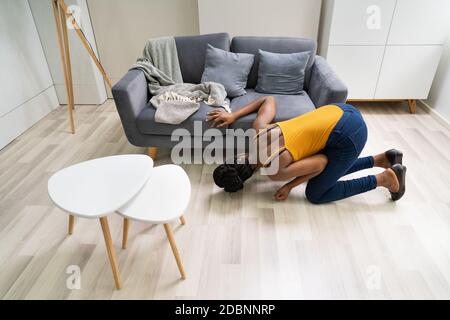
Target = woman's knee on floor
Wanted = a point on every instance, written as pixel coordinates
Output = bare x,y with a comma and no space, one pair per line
313,194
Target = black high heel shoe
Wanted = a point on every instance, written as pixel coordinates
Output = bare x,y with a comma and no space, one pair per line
400,173
394,156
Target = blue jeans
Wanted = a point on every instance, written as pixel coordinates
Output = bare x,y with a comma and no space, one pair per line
343,148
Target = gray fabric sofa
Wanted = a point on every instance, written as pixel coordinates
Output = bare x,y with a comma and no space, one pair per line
322,86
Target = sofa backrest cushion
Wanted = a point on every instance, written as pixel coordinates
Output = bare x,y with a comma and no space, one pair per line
275,45
228,68
192,52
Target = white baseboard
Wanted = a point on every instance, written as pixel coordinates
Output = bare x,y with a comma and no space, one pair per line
17,121
436,115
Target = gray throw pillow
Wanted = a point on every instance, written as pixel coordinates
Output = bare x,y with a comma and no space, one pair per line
228,68
281,73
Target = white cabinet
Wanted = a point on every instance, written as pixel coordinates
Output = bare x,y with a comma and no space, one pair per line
384,49
358,29
419,22
367,58
407,72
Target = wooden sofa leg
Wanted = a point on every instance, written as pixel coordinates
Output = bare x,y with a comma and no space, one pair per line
412,106
152,152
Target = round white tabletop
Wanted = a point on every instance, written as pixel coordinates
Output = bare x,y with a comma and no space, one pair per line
95,188
164,197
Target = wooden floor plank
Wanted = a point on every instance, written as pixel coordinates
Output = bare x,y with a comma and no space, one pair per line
242,245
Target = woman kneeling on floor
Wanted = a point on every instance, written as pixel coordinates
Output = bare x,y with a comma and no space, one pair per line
320,147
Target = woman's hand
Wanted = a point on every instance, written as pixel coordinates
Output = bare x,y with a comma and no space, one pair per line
220,118
283,193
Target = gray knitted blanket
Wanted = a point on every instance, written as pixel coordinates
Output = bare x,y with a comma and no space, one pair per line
174,100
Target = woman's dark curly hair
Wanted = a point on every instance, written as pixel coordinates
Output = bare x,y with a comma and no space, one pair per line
231,177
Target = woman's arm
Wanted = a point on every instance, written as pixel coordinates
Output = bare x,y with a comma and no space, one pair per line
305,170
311,165
283,192
265,106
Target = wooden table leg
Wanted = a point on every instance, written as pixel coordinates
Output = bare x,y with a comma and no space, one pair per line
111,252
126,226
71,224
173,245
183,220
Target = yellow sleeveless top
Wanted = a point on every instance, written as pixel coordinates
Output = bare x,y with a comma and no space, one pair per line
307,134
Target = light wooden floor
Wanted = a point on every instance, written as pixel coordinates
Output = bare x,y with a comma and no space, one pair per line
243,245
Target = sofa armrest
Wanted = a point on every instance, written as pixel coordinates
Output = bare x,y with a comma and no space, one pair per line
324,86
131,96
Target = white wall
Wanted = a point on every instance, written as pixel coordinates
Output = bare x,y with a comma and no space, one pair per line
26,87
439,97
88,84
290,18
122,27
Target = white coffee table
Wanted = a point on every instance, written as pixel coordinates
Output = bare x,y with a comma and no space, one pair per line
93,189
164,198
